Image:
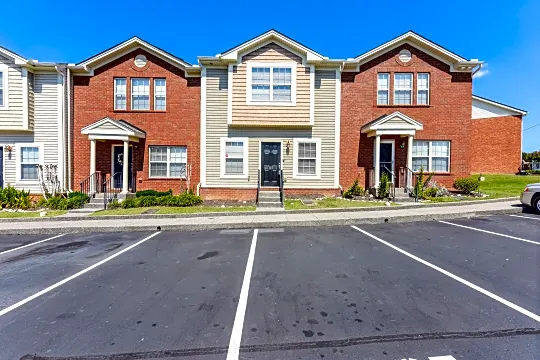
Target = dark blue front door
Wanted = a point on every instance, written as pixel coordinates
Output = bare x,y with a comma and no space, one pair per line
118,166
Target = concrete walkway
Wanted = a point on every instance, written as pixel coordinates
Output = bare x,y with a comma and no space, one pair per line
260,220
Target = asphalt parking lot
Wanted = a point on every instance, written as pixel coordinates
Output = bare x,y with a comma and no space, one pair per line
462,289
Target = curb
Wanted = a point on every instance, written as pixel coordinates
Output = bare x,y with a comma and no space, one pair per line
287,224
262,213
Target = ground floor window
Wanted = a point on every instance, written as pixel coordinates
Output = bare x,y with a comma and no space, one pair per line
307,158
234,157
28,159
168,161
432,156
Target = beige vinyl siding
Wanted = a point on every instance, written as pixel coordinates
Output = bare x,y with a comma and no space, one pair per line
13,116
242,113
216,128
31,102
47,114
10,158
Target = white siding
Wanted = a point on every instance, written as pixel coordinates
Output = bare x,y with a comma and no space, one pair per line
482,110
13,116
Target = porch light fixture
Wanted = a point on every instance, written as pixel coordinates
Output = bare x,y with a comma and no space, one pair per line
287,146
402,145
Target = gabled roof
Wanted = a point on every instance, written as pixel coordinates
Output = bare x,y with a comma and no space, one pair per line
135,42
457,62
18,59
112,127
234,54
499,105
395,120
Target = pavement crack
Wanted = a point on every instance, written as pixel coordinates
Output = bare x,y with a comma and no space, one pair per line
163,354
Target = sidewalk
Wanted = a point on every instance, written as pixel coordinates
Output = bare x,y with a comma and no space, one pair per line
260,220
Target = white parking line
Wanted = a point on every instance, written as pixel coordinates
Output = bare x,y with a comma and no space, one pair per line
34,243
490,232
455,277
54,286
525,217
236,334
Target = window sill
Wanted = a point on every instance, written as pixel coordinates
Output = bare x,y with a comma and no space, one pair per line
435,173
270,103
166,178
140,111
408,106
306,177
225,176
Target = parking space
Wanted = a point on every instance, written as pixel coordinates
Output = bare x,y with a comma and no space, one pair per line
326,292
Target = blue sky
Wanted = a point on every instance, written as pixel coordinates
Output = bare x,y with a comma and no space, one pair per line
504,34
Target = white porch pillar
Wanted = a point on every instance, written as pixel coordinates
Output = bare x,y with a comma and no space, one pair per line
377,161
92,165
409,160
125,175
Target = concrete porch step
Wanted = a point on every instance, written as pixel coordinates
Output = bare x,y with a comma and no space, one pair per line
272,204
98,205
270,197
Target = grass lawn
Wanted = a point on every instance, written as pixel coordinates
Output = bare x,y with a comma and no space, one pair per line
506,185
173,210
33,214
330,203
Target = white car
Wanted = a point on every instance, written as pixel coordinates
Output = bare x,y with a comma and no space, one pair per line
531,196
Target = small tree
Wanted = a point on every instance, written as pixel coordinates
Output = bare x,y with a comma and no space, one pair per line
48,180
383,186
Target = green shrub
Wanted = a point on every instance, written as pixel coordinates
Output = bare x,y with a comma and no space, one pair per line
129,203
113,204
189,199
429,192
14,199
384,183
467,185
354,190
146,201
153,193
421,184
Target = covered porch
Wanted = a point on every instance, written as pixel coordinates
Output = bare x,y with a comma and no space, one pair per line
110,169
388,132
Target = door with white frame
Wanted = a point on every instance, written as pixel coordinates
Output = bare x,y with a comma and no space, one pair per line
386,158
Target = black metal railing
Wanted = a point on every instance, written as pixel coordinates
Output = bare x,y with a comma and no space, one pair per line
411,179
258,186
281,192
90,186
111,187
392,183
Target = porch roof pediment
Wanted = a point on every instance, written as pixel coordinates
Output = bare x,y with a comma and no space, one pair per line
394,124
111,129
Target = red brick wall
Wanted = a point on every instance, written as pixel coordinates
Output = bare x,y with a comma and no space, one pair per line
497,145
93,99
448,117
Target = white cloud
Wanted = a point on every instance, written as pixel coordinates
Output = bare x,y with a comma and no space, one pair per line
483,72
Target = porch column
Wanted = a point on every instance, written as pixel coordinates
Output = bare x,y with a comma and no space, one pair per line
409,160
377,161
92,164
125,178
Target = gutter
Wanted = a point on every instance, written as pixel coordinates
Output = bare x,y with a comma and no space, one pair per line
478,69
62,70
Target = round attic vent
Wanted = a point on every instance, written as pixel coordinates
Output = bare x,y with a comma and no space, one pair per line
140,61
405,56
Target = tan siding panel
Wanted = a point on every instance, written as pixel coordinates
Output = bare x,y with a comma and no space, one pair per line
31,100
12,117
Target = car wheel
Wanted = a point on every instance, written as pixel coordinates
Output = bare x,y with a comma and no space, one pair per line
536,204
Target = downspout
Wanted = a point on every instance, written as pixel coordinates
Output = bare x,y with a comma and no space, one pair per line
477,70
60,68
68,128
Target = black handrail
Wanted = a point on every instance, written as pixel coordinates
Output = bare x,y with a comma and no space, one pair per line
110,188
281,193
90,186
258,186
392,183
412,190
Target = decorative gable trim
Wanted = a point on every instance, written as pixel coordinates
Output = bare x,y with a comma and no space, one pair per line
108,128
383,123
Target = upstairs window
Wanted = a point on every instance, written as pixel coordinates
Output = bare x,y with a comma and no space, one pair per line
140,94
120,94
403,85
422,98
383,87
3,86
271,85
160,94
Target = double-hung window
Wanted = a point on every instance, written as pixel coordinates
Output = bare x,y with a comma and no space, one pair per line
422,97
3,86
383,88
140,94
29,159
168,161
307,158
160,94
120,94
403,85
431,156
271,84
234,157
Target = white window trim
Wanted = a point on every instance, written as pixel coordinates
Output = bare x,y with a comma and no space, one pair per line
271,65
387,89
430,156
394,88
18,147
168,162
115,93
418,89
155,94
317,174
245,173
5,70
132,93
